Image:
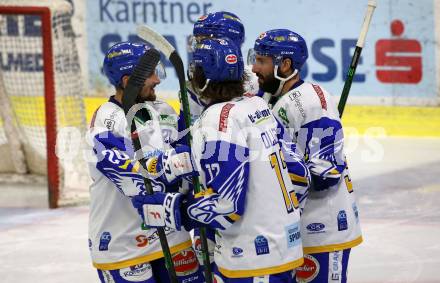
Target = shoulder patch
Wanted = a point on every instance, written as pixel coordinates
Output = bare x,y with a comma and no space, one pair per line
224,114
321,96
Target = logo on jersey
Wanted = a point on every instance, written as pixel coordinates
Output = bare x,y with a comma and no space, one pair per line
309,270
217,249
283,115
137,273
185,262
90,244
109,124
259,116
104,241
295,98
224,114
355,211
315,227
321,96
142,241
342,221
261,245
293,235
237,252
231,59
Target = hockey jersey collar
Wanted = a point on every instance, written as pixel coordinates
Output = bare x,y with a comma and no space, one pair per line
274,99
261,93
297,84
113,100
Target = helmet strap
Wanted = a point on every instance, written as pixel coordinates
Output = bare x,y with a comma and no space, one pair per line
282,80
205,86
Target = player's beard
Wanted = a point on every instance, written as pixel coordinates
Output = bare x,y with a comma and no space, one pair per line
270,83
140,99
150,97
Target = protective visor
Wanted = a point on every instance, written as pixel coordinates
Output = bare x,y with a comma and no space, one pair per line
160,71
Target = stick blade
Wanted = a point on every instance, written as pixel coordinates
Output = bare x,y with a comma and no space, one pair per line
156,39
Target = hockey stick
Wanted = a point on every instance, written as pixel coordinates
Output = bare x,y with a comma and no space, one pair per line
145,67
357,54
171,54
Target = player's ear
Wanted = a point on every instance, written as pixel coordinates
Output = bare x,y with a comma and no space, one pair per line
286,66
124,81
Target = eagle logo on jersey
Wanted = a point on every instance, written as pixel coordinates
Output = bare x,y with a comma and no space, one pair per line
222,204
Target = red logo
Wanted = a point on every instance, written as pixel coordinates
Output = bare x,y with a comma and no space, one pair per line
224,114
202,18
231,59
156,215
309,270
198,244
142,241
321,96
185,262
398,60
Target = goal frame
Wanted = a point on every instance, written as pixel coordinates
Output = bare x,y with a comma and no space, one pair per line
53,169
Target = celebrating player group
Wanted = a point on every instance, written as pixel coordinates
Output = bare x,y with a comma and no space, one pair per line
264,173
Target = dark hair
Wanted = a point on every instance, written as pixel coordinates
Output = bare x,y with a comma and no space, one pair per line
217,91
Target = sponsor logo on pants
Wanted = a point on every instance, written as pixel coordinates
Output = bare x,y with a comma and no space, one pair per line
137,273
308,271
185,262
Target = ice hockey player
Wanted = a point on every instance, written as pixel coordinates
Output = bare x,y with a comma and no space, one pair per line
121,249
330,222
216,25
247,198
213,25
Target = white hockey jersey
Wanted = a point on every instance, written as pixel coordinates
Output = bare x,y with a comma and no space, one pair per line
330,220
248,197
116,238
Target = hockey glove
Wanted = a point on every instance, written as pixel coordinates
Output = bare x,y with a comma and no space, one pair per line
172,164
159,209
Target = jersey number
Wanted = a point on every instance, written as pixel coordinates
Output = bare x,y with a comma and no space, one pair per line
290,199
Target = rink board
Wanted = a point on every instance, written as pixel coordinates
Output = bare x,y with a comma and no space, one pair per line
375,120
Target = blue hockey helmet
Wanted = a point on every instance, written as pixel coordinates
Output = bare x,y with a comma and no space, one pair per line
280,44
220,60
220,24
121,58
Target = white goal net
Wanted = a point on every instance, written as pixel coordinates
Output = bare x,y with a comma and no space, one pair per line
42,120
